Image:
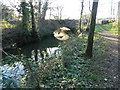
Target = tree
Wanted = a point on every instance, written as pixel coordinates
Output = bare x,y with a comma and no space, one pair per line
82,5
34,33
7,13
25,16
119,17
39,12
89,49
44,10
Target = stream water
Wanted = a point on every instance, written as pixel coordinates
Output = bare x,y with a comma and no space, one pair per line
11,74
48,44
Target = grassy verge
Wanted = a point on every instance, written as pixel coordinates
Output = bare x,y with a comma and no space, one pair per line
97,29
111,27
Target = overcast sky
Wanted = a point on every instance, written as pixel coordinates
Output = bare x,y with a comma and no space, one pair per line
71,8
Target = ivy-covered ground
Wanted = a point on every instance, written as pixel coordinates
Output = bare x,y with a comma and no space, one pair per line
68,68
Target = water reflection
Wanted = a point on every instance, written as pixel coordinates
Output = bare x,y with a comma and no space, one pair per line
38,50
42,54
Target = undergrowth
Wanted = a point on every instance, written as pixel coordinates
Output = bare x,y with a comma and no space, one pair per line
69,69
4,24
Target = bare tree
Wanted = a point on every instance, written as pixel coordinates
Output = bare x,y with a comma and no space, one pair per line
44,10
56,12
92,28
34,33
119,16
82,5
59,11
89,6
111,9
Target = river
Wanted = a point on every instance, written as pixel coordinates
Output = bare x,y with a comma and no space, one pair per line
48,44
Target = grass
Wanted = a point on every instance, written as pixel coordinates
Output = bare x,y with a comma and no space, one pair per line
97,29
107,26
111,27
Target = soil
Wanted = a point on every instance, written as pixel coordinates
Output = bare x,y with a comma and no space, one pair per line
111,63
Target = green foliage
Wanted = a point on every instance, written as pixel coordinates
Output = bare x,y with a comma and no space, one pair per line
72,48
25,16
4,24
97,29
69,69
111,27
93,76
9,82
107,26
100,48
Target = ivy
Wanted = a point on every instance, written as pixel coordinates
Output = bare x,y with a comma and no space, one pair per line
25,17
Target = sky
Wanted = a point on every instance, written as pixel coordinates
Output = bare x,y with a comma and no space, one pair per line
71,8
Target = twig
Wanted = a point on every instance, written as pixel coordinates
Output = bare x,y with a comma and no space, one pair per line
10,55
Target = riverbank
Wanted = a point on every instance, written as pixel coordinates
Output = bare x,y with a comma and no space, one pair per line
15,37
66,68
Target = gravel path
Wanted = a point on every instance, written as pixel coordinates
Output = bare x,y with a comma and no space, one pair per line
111,62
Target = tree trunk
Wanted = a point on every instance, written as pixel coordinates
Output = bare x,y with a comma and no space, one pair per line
118,18
25,16
34,33
89,49
42,14
81,15
25,21
45,7
39,16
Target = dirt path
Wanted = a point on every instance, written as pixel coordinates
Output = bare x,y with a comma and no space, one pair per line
111,62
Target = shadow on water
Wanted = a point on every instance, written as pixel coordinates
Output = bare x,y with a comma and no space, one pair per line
35,50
